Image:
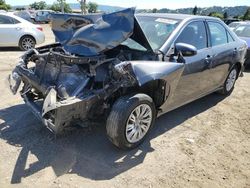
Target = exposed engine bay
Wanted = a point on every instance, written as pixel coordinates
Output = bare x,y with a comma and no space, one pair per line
68,89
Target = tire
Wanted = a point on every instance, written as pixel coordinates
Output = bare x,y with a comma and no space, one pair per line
26,43
230,81
124,111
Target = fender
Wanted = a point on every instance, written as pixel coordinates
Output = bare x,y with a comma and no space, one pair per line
146,71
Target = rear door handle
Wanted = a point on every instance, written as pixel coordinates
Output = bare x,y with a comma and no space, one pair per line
235,51
208,61
18,28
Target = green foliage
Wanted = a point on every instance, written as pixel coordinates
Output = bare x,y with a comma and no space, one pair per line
216,14
39,5
247,14
92,7
4,6
195,10
56,6
20,8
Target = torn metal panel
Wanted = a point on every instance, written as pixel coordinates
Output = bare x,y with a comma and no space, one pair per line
92,34
146,71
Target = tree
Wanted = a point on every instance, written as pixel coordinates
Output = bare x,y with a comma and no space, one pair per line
39,5
154,10
61,4
195,10
92,7
4,6
225,15
247,14
216,14
20,8
83,6
60,7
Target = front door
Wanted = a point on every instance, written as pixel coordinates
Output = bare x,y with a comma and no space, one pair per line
195,78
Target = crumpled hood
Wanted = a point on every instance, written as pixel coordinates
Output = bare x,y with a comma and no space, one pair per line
89,35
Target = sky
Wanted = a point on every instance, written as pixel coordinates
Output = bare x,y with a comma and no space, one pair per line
150,4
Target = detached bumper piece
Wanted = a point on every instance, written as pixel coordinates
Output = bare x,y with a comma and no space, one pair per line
57,116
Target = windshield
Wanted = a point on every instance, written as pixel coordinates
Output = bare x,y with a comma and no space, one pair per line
243,31
157,29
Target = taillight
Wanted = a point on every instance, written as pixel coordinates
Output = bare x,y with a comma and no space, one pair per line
40,28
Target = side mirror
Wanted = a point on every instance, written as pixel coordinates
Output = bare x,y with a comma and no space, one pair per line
186,50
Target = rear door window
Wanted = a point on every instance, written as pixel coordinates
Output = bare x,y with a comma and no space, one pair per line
218,33
229,37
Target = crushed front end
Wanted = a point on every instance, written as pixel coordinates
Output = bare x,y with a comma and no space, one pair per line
63,89
78,78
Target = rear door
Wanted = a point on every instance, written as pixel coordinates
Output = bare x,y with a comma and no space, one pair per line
195,78
9,31
224,50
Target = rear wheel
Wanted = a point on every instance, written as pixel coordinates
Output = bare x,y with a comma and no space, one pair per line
130,120
230,81
26,43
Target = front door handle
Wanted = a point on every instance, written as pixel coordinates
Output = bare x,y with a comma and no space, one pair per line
18,28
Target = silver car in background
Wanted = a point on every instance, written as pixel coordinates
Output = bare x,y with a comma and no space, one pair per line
15,31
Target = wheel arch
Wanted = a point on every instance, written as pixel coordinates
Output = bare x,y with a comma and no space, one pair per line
158,90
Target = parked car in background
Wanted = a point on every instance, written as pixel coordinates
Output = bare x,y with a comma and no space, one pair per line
231,20
128,69
233,25
26,15
43,16
15,31
243,31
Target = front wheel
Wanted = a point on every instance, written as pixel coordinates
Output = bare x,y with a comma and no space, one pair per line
230,81
130,120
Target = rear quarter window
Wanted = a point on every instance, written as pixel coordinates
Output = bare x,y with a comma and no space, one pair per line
8,20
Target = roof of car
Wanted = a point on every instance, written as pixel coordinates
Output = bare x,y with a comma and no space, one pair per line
245,23
175,16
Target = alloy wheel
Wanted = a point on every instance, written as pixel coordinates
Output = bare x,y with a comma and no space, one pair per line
231,80
28,43
138,123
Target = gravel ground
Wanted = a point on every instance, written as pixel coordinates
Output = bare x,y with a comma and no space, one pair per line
203,144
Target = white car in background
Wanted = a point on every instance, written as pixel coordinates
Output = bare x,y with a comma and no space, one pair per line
15,31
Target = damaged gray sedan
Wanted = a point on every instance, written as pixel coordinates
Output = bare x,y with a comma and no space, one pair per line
127,69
